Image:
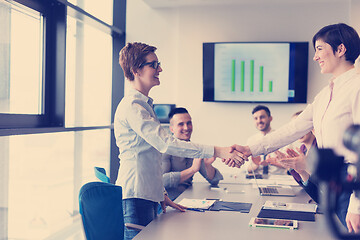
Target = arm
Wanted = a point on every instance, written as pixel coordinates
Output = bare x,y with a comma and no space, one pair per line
189,172
209,172
353,215
209,169
147,127
285,135
170,178
255,164
141,119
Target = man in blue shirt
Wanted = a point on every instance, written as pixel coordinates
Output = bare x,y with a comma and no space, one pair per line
179,171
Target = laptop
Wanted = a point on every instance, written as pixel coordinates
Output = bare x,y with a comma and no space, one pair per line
274,191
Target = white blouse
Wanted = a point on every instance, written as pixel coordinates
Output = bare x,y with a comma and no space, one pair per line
141,140
328,118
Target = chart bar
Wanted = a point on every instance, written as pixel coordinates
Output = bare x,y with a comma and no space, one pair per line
233,75
270,86
251,75
261,79
242,83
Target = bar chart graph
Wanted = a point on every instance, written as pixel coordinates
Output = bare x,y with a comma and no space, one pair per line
252,72
242,77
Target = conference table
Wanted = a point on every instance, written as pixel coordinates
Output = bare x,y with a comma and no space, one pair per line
216,225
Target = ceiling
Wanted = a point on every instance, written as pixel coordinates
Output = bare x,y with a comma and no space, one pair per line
184,3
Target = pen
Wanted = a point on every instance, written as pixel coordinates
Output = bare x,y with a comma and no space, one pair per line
196,209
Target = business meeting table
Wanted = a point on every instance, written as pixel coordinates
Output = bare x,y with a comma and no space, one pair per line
216,225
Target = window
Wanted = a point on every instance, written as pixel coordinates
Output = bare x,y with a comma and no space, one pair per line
60,83
92,6
45,178
21,67
88,75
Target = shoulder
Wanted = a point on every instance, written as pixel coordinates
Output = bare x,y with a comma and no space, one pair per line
355,81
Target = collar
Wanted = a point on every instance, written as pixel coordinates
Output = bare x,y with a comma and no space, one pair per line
135,93
343,78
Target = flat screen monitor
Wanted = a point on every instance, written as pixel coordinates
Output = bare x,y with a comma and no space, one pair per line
268,72
162,112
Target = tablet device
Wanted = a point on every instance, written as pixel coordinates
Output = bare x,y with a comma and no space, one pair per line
273,223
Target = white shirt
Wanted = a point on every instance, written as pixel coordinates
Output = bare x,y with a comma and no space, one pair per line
141,140
272,168
328,120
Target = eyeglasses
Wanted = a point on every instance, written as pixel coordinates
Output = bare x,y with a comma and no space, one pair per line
153,64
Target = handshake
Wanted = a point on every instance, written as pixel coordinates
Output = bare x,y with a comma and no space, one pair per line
233,156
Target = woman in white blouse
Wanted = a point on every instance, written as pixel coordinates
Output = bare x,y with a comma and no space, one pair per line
334,109
141,140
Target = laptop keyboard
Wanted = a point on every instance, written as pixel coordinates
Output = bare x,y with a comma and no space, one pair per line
269,190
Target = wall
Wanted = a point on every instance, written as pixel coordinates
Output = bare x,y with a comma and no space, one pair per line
179,33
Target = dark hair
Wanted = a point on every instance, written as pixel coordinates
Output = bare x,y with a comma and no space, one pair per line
177,111
132,56
337,34
261,107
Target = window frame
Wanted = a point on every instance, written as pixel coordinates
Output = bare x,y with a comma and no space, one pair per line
52,120
54,65
53,101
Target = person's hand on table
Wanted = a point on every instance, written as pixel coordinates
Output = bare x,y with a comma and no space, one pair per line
167,202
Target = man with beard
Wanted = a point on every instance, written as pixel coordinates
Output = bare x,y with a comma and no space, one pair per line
262,119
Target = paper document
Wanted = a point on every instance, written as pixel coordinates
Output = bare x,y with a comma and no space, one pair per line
197,203
298,207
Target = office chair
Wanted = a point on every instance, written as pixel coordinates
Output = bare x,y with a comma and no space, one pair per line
100,173
100,206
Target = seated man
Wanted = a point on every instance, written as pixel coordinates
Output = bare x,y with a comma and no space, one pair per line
178,171
262,119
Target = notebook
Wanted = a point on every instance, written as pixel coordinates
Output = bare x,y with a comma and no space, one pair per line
294,211
231,206
197,203
274,191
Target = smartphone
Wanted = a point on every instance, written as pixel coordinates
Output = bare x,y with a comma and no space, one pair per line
273,223
251,176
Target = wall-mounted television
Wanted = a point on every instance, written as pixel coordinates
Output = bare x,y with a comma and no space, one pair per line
267,72
162,112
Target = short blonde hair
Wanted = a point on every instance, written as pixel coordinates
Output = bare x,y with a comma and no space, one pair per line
132,56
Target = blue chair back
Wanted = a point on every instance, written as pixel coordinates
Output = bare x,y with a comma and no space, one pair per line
100,206
100,173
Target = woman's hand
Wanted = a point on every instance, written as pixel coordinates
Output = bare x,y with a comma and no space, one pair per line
233,156
167,202
294,160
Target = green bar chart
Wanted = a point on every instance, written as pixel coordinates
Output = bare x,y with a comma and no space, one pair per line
252,79
242,83
250,73
233,75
